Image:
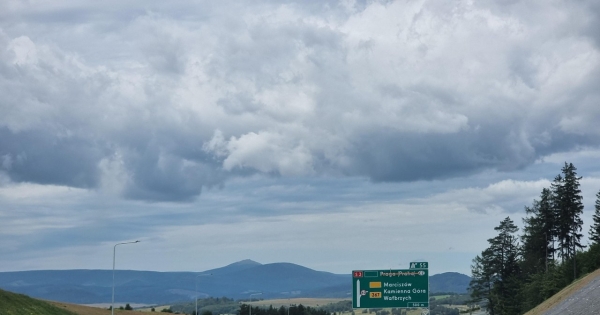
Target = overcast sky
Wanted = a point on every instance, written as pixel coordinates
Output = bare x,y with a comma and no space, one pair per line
337,135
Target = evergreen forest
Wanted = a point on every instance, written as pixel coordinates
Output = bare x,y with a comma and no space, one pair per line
518,271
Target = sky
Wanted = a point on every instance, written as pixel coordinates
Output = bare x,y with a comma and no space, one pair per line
338,135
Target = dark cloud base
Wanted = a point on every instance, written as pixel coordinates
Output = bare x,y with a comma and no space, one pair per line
393,156
262,54
39,157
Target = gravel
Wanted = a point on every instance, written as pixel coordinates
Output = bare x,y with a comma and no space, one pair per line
583,302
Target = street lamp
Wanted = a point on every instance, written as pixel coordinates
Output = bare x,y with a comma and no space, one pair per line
112,304
250,305
205,274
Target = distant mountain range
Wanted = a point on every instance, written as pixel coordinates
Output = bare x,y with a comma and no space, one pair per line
451,282
237,280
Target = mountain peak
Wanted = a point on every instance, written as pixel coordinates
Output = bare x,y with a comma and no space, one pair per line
246,262
235,267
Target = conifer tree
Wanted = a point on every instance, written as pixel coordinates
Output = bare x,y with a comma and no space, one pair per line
548,220
595,228
538,234
505,252
496,272
573,202
568,207
482,281
557,205
534,248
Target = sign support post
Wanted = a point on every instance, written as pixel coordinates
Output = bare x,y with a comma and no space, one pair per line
422,265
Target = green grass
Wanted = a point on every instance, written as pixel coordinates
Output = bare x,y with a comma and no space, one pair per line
439,297
19,304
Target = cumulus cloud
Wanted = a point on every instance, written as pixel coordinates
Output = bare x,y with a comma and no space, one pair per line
156,102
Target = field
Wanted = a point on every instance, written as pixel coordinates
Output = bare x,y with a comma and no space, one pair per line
439,297
276,303
87,310
313,302
156,308
304,301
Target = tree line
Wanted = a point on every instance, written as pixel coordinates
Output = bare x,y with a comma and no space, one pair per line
517,272
299,309
207,306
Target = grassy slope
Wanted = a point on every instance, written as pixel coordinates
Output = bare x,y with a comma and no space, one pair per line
19,304
87,310
563,294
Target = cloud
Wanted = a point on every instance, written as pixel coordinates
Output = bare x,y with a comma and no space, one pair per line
265,152
158,102
387,127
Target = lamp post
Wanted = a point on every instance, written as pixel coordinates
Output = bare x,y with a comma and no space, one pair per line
112,304
250,305
205,274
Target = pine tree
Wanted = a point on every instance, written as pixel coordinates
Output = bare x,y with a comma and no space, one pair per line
482,281
496,272
595,228
538,234
560,232
505,253
568,207
567,202
548,220
574,205
534,248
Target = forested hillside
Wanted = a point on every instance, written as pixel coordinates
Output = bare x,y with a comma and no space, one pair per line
449,282
517,272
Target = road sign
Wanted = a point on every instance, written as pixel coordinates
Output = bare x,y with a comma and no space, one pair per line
390,288
419,265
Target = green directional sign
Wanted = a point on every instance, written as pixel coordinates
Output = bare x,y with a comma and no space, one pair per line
390,288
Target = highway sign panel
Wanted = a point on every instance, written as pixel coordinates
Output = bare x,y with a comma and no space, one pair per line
405,288
419,265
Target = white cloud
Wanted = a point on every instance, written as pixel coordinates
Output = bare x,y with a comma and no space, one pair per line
503,195
34,193
24,51
114,176
289,86
162,101
268,152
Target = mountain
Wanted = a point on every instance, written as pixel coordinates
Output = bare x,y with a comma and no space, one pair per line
237,280
236,266
449,282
